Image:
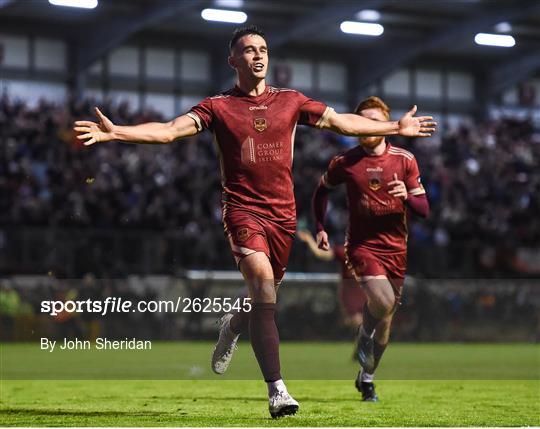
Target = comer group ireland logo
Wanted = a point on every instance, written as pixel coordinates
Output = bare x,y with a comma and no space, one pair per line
253,152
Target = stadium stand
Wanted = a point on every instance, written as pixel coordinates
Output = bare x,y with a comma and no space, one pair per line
482,182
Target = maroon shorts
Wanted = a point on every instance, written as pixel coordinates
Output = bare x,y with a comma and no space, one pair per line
249,233
352,296
366,263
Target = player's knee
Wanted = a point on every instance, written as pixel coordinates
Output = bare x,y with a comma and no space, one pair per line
263,291
387,306
256,267
380,301
382,306
387,301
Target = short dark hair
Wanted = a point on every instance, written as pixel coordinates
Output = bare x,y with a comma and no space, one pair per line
242,31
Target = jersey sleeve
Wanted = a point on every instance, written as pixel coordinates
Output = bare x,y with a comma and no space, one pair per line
202,114
335,174
312,112
413,182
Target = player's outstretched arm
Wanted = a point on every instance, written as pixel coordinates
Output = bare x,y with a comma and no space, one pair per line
151,132
409,125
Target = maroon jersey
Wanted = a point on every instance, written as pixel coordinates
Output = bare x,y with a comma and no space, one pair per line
255,138
377,220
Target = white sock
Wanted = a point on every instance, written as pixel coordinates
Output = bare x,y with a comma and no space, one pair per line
366,377
276,386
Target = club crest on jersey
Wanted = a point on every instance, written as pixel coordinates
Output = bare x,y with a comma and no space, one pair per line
374,184
259,124
374,178
242,234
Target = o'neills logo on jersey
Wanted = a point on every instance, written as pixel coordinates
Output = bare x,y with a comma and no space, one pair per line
259,124
258,108
374,170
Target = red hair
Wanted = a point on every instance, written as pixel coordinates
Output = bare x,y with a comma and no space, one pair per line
373,103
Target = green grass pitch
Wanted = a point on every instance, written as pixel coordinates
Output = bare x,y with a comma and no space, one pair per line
503,393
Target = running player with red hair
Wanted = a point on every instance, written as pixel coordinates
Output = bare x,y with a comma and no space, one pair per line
383,184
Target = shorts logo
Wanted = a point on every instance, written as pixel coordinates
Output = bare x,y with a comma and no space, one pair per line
242,234
359,268
374,184
259,124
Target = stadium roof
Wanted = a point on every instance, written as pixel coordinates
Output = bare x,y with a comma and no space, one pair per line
437,30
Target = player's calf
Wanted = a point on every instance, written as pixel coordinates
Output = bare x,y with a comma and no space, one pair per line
364,351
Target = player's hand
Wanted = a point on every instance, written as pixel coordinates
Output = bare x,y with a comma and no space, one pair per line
93,133
322,240
399,189
304,235
411,126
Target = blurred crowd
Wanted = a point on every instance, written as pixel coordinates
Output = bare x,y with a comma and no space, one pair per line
483,183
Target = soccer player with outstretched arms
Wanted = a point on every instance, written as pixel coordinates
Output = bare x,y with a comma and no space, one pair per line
254,126
383,184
